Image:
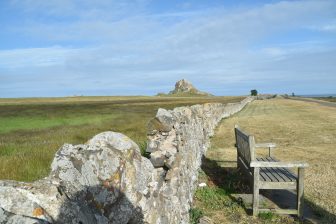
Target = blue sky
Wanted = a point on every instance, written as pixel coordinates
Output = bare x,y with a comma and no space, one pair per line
142,47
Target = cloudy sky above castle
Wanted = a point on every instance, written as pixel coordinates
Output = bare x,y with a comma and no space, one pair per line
109,47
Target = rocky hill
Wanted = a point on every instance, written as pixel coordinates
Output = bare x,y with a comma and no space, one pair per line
185,88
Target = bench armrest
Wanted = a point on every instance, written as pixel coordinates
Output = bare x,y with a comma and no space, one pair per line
279,164
270,147
265,145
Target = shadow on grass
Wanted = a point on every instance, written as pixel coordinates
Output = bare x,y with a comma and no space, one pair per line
227,178
233,182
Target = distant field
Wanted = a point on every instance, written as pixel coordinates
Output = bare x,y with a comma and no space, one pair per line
33,129
303,131
330,99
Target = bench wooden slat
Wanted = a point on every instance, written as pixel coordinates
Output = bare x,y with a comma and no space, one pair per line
245,169
245,145
279,211
277,185
263,174
289,174
285,173
278,164
265,145
278,172
273,173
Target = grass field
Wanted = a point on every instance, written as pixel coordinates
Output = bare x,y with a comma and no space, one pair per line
303,131
330,99
33,129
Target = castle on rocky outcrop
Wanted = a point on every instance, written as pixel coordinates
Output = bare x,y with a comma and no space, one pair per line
185,88
107,180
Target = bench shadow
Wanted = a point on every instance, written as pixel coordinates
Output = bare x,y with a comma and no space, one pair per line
227,178
233,182
98,204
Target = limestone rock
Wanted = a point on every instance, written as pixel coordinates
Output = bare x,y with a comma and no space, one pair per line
158,158
205,220
102,181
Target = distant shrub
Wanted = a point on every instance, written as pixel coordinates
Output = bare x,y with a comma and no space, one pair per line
254,92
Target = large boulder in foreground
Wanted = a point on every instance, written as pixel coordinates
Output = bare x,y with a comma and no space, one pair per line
103,181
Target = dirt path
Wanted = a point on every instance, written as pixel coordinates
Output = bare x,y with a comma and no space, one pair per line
321,102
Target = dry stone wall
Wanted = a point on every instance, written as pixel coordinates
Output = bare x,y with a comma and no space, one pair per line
107,180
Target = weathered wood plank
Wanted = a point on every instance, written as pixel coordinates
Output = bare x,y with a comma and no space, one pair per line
251,148
245,170
279,211
278,164
270,147
270,172
289,174
264,176
286,174
300,192
245,145
256,191
277,185
265,145
276,171
282,175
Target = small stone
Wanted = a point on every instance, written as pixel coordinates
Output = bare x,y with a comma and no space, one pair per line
165,133
205,220
202,185
171,151
155,125
158,158
170,162
169,175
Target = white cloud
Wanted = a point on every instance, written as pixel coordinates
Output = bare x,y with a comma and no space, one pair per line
35,57
217,48
84,9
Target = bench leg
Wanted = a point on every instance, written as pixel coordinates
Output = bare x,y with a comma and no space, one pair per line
255,198
300,193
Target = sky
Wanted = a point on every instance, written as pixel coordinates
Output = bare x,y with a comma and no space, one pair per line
142,47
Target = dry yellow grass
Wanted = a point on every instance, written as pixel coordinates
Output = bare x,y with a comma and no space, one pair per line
303,131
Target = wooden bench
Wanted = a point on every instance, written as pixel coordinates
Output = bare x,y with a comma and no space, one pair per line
268,172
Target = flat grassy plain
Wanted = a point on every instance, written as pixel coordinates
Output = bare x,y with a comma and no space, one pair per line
303,131
330,99
33,129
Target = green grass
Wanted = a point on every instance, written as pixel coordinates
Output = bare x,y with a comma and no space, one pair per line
213,197
195,214
330,98
33,129
266,216
8,124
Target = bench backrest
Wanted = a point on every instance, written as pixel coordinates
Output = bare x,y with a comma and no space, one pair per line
245,145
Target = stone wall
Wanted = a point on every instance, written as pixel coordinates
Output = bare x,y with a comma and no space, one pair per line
177,140
107,180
